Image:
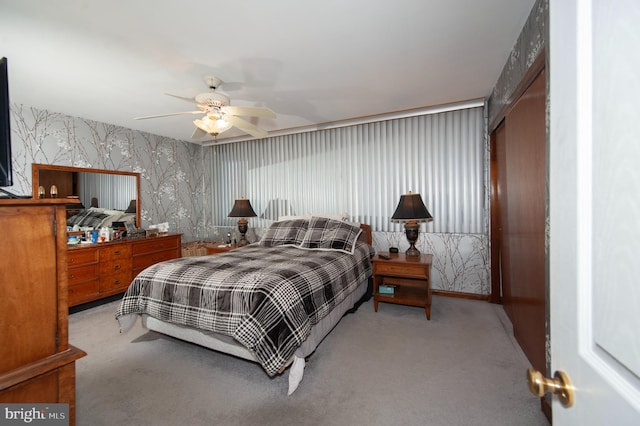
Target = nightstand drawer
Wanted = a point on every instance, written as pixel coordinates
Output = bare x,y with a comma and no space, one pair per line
401,270
214,249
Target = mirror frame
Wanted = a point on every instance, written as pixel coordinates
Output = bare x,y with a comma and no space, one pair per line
35,179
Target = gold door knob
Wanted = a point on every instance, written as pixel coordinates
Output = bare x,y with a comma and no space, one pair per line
560,385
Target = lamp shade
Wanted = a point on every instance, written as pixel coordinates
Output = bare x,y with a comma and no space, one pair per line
132,207
411,208
242,208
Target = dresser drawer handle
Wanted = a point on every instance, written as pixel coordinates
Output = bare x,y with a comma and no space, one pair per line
116,267
117,252
72,276
71,260
117,282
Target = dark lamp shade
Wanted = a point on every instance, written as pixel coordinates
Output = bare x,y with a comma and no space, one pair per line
242,208
411,208
132,207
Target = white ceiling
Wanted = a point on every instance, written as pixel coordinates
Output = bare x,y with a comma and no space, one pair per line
312,62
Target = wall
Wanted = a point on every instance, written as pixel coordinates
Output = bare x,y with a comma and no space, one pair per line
530,44
177,188
362,170
171,171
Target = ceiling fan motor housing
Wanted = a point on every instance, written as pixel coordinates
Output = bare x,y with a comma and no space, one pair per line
212,99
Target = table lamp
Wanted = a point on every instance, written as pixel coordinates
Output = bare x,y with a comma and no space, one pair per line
242,209
411,210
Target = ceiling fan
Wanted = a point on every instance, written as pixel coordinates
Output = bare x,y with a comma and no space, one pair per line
219,116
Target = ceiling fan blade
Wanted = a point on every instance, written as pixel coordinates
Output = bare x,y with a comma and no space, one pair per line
245,126
249,111
192,100
198,133
168,115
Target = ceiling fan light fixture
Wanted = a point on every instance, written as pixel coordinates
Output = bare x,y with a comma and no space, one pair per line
220,116
213,126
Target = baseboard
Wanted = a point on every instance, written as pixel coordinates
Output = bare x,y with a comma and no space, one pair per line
460,295
93,304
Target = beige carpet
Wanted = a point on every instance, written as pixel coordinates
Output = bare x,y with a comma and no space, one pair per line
392,367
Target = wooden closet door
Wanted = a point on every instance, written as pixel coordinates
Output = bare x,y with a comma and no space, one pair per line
522,216
28,285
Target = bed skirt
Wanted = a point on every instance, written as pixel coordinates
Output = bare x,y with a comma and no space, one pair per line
228,345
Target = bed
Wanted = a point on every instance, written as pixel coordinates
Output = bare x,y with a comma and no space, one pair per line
97,217
271,302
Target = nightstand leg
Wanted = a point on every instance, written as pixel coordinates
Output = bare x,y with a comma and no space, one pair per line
375,305
428,311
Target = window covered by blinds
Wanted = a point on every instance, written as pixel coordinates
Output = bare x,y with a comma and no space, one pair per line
361,170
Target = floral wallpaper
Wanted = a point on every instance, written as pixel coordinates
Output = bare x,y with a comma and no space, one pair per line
460,261
171,172
530,43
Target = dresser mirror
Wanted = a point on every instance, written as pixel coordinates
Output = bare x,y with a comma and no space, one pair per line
108,189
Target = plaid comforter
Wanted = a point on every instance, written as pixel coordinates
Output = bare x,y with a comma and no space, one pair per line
267,298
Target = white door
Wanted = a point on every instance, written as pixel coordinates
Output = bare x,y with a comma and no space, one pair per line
594,245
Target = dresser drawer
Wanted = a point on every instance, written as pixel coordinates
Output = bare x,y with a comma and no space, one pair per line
81,290
156,244
401,270
115,282
78,257
141,262
82,273
119,251
115,266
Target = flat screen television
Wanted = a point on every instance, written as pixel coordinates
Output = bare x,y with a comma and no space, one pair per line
6,171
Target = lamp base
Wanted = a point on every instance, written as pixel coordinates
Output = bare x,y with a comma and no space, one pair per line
411,231
412,252
242,228
243,241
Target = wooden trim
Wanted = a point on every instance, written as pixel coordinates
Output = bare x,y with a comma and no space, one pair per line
536,68
63,288
366,233
495,231
41,366
6,202
460,295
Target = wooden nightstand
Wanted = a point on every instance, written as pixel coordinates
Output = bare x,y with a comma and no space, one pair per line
411,277
212,248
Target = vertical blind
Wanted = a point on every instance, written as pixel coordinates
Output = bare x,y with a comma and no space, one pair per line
100,186
361,170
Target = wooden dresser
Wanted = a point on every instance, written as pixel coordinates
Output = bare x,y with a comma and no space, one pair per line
100,270
37,364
